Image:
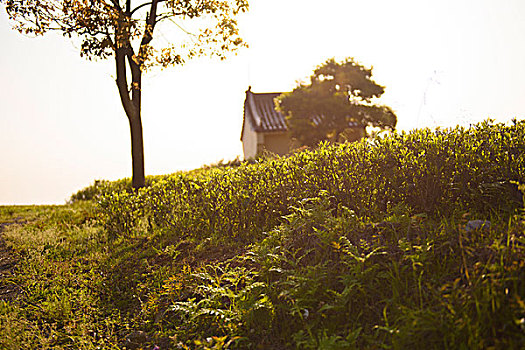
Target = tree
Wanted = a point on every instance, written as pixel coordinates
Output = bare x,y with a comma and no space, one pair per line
125,30
338,95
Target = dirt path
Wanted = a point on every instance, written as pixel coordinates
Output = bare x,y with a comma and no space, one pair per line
8,290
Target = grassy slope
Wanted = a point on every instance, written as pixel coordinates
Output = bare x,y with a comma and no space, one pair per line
361,246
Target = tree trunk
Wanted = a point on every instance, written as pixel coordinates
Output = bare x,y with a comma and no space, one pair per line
137,151
124,52
132,108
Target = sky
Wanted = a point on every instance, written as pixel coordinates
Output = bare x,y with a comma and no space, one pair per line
62,126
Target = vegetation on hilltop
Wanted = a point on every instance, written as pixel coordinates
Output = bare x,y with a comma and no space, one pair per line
366,245
339,100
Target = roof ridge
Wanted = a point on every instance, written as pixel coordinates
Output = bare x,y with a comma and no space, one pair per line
264,93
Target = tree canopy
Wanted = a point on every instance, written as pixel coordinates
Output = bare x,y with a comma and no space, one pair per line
339,96
106,25
125,30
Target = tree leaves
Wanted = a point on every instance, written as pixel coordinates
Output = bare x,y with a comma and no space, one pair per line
104,26
338,98
111,28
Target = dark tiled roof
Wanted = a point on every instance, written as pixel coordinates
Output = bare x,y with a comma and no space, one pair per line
259,111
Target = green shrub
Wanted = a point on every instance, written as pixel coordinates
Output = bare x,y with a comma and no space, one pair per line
430,172
326,279
371,245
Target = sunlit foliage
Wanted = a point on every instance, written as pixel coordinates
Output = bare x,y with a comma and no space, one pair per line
368,245
338,94
423,170
104,26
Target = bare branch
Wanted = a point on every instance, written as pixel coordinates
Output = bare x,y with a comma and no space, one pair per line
143,5
180,27
168,15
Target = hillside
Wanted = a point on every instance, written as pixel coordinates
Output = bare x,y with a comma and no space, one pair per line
413,241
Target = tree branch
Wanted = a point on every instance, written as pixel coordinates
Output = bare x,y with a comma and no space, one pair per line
168,15
163,16
122,81
143,5
150,24
135,66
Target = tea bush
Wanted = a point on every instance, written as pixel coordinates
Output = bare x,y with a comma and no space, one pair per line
349,246
431,172
326,281
415,240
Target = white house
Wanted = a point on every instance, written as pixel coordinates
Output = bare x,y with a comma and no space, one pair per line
264,128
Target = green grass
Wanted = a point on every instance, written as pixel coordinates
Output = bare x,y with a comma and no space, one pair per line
354,246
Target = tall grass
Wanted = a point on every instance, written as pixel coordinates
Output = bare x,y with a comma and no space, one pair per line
430,172
370,245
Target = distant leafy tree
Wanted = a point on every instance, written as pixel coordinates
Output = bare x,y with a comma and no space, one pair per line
126,30
338,95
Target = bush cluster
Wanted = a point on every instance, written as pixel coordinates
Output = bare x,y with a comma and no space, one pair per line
415,240
363,245
325,281
430,172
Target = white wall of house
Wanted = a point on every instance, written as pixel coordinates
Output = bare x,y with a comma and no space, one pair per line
249,141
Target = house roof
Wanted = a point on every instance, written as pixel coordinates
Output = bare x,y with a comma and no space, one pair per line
259,111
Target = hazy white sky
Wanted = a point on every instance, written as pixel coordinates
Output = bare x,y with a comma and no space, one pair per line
62,126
